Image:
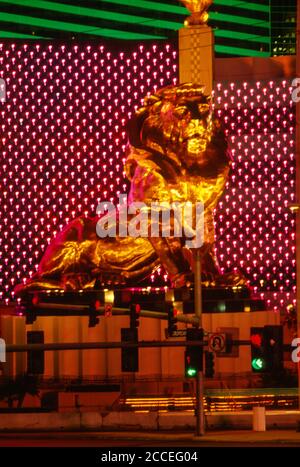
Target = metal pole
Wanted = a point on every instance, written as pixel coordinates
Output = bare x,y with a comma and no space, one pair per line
11,348
198,288
83,310
95,345
200,429
298,191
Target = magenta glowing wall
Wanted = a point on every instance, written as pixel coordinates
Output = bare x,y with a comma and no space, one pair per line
63,140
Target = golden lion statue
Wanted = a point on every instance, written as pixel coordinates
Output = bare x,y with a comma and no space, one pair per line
177,153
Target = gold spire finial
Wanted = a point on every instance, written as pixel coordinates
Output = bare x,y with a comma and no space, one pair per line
198,9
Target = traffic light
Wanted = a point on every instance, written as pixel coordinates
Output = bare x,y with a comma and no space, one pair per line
30,305
35,358
267,348
193,356
130,355
209,364
258,357
30,315
172,320
273,343
134,315
94,310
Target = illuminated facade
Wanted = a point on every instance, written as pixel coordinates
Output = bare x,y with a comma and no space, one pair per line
241,28
63,144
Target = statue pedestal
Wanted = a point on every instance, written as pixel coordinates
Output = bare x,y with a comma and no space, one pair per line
196,54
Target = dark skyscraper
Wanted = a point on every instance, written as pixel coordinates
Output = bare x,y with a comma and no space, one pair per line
242,28
283,19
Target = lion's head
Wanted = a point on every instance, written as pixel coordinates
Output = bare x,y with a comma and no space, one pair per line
177,125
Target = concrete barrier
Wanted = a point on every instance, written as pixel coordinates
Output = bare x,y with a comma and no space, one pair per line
228,420
91,421
131,421
176,421
39,421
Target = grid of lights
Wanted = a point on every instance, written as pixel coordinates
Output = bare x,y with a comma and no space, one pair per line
63,141
255,226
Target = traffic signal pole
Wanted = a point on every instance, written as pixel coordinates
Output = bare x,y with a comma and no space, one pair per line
192,38
200,429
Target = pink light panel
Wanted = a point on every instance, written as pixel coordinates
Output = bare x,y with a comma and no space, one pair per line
256,229
63,142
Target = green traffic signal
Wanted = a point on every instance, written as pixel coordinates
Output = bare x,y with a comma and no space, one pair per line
193,356
267,348
191,372
258,364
